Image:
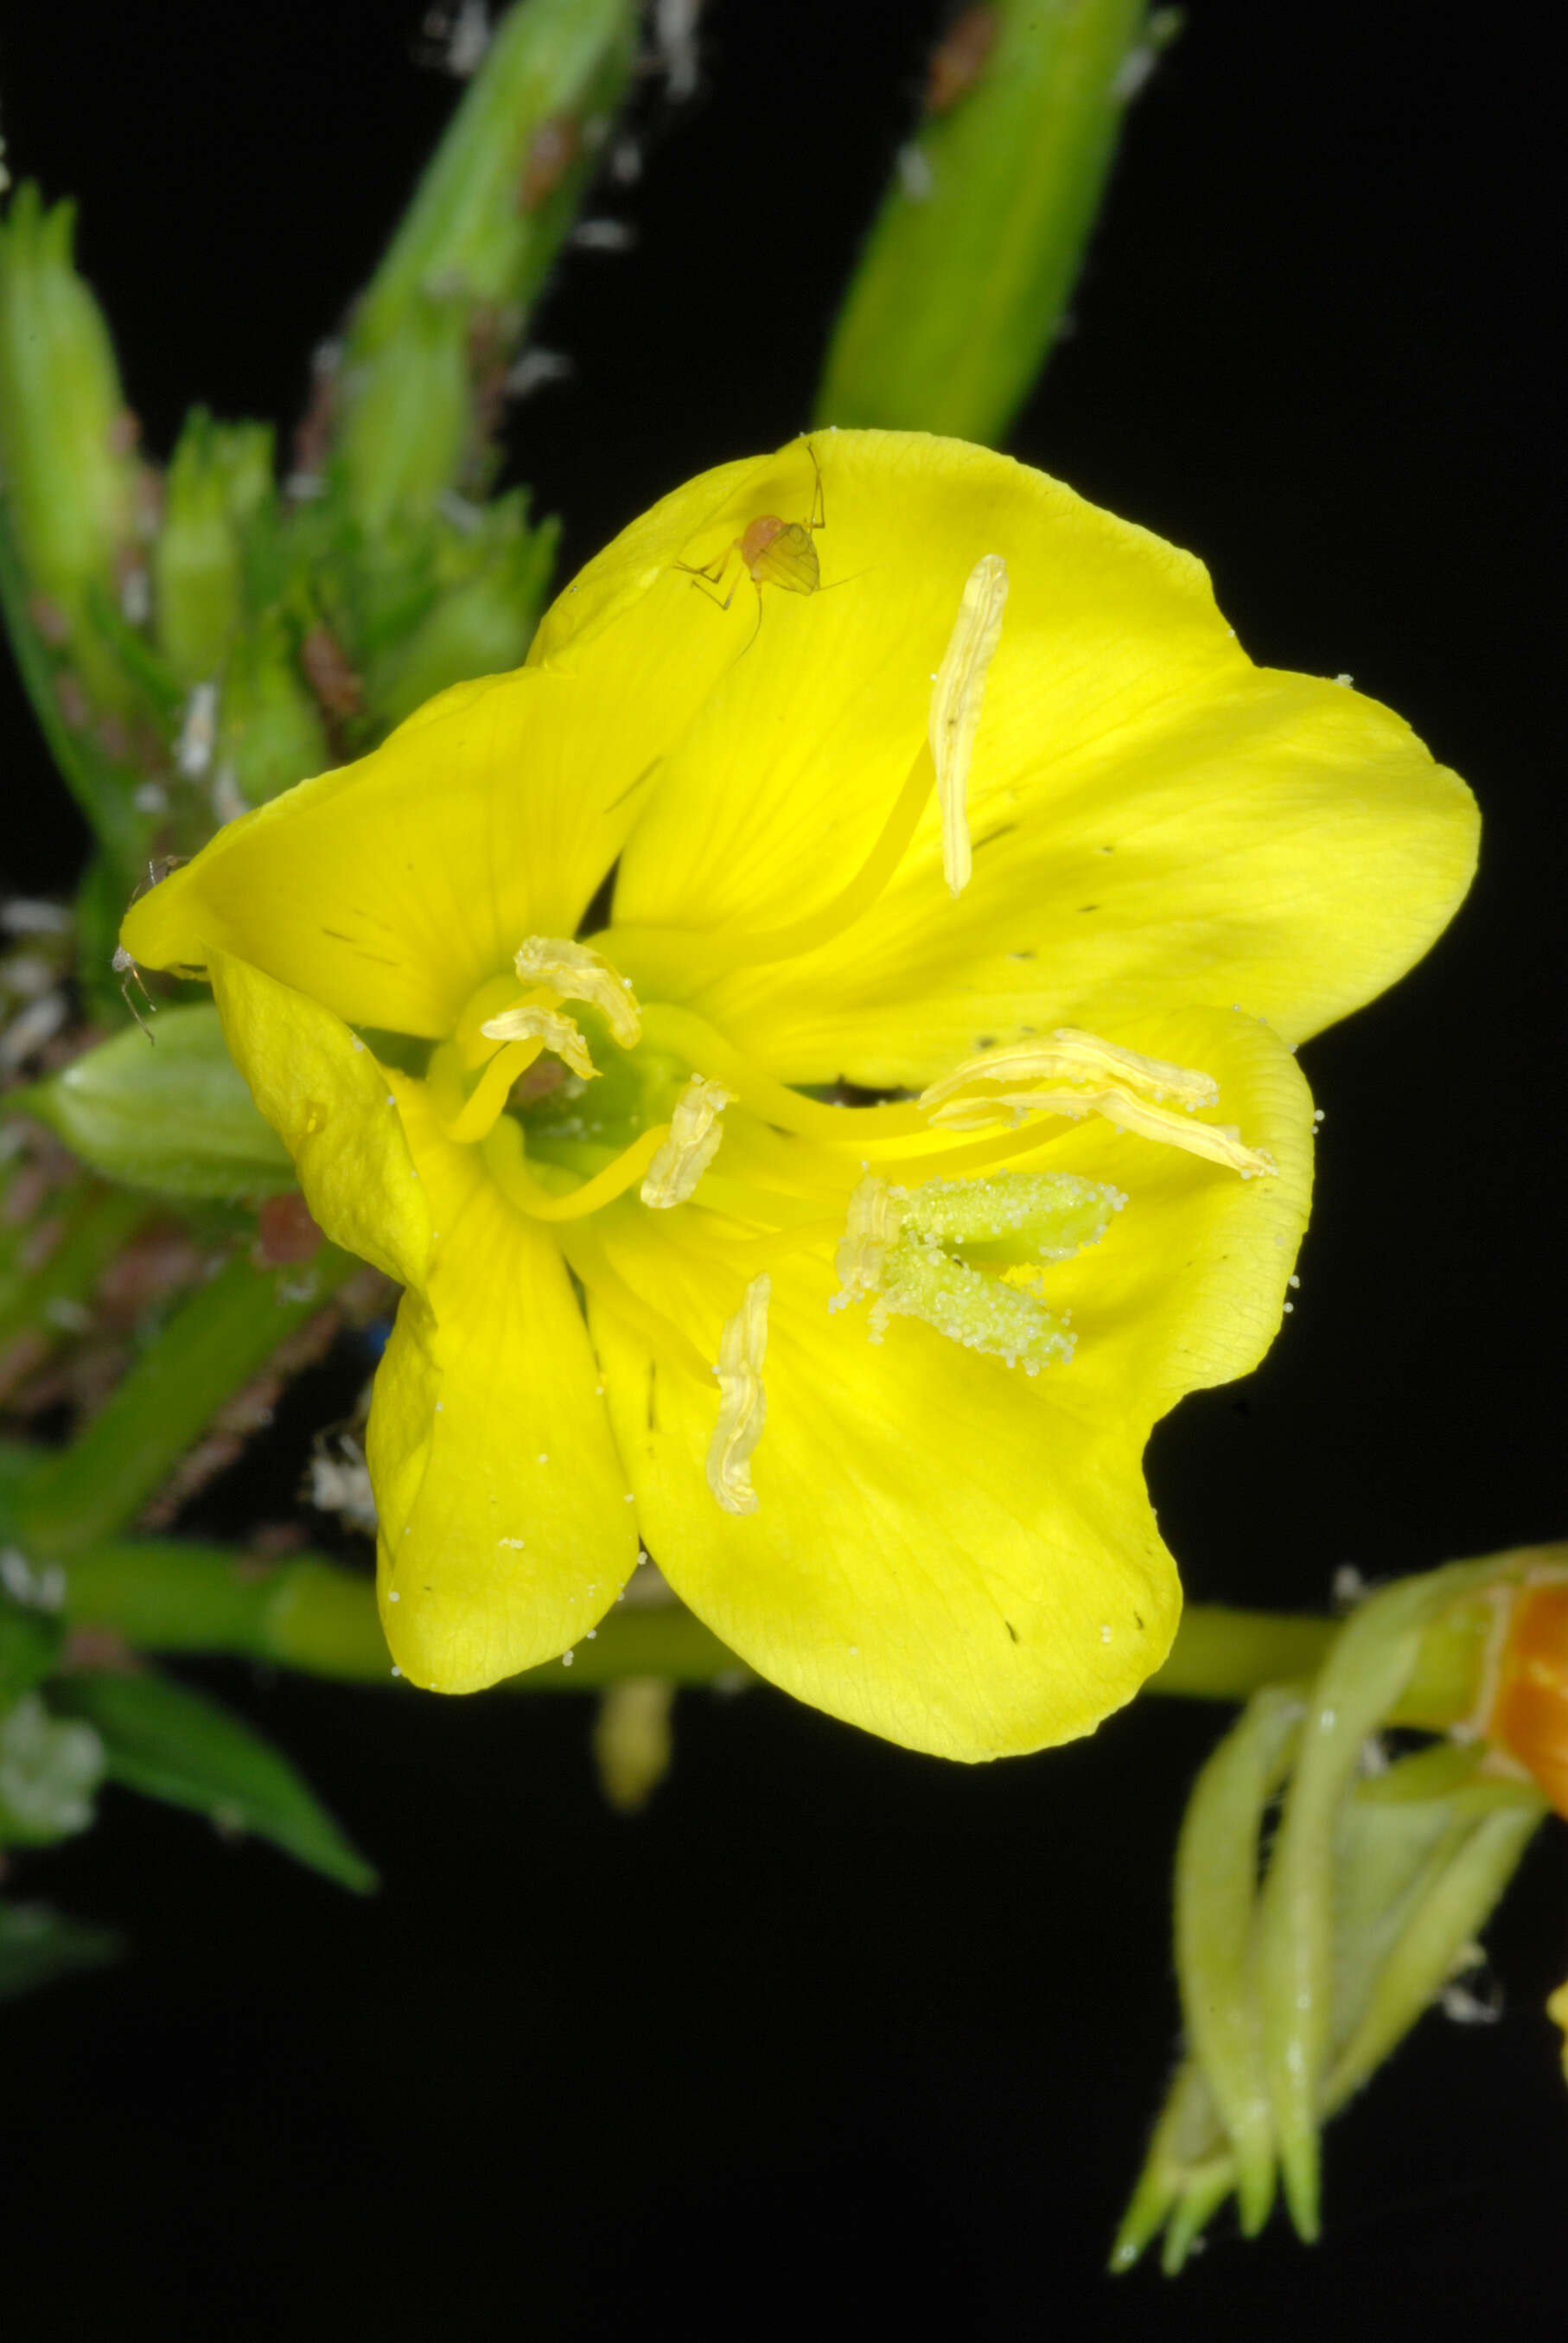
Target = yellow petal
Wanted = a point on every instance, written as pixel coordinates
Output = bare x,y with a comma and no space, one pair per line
331,1105
392,888
1188,1287
936,1545
1277,842
505,1531
953,1554
1151,815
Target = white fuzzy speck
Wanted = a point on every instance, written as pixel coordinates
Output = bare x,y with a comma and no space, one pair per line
393,1596
544,1456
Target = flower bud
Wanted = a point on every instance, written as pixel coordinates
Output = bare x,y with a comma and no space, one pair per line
66,437
177,1118
270,729
971,262
493,578
1529,1715
219,483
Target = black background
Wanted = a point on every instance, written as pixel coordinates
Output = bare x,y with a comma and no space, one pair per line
837,2041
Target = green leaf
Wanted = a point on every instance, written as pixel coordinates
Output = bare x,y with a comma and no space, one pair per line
173,1743
39,1946
171,1113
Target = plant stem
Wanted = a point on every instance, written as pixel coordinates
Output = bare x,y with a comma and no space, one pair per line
219,1338
167,1595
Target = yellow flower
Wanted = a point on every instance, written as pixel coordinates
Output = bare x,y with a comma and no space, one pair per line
816,1046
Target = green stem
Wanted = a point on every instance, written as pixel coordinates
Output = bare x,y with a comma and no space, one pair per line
167,1595
217,1340
1224,1655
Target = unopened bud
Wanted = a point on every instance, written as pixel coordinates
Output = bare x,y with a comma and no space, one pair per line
66,439
176,1118
220,491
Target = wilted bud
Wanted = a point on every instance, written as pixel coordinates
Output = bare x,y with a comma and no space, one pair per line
1527,1719
65,439
176,1118
1302,1970
219,492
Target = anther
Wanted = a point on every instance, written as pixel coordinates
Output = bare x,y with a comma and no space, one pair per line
695,1132
575,971
1073,1073
955,710
742,1407
560,1035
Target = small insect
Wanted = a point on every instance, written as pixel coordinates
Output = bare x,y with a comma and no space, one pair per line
123,964
773,552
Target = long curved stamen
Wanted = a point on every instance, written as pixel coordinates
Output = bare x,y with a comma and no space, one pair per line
469,1121
1073,1073
504,1153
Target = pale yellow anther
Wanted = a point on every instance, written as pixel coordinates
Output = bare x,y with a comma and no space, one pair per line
955,711
575,971
871,1228
1073,1073
553,1031
742,1408
695,1132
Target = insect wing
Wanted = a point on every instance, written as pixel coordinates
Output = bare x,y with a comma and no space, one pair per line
790,561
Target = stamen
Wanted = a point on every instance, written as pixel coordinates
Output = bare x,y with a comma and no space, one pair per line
1131,1098
468,1121
955,711
894,1252
742,1406
695,1132
870,1230
575,971
560,1035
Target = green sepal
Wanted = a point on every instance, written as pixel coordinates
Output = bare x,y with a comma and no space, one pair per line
39,1946
166,1110
175,1744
